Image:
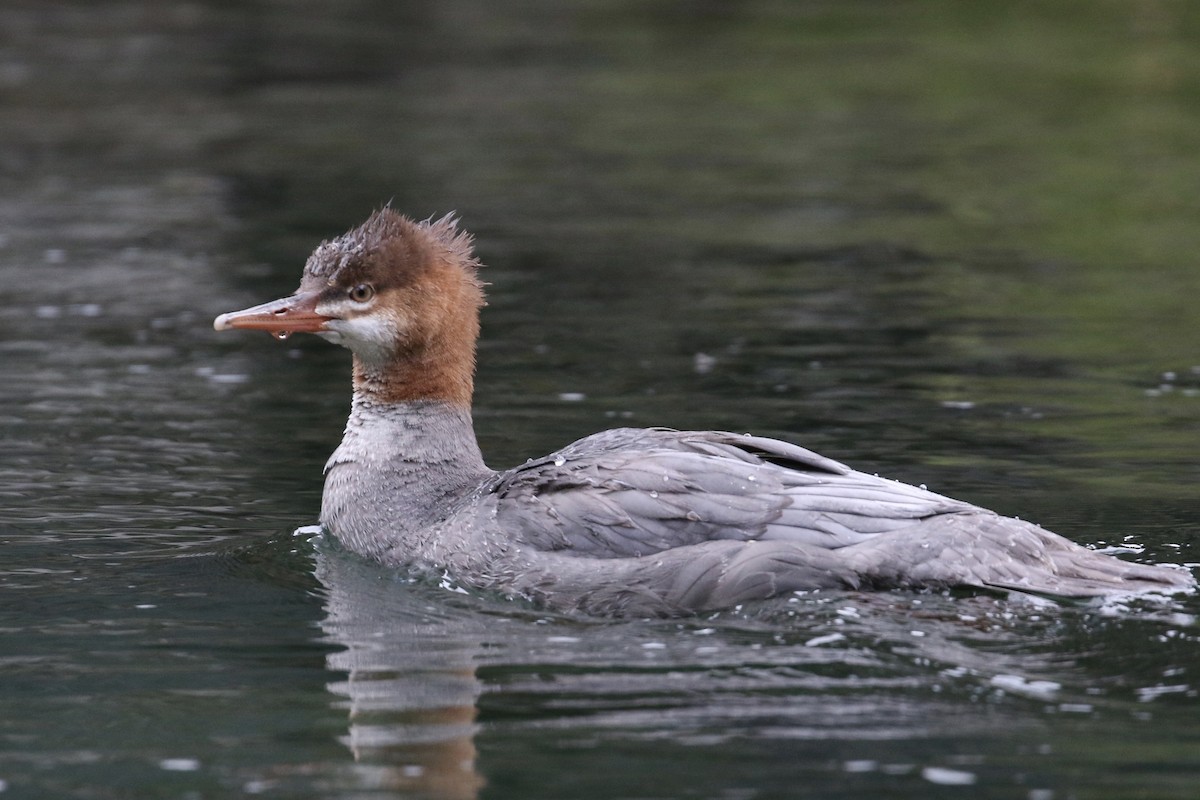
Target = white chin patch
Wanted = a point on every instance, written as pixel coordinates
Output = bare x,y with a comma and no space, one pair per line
371,338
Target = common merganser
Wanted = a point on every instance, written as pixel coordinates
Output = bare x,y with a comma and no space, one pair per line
627,522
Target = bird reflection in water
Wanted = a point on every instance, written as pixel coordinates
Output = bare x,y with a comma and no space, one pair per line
410,686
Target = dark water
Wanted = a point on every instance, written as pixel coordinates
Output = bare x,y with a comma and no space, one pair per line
949,242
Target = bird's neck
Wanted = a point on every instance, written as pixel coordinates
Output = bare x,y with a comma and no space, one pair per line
400,469
428,378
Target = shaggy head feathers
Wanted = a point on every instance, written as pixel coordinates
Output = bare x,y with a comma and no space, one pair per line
390,248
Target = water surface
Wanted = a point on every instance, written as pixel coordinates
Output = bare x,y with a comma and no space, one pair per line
952,244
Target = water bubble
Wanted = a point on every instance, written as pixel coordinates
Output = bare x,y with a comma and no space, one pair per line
829,638
948,777
1075,708
281,335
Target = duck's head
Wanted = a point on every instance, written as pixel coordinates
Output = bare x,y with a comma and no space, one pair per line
402,296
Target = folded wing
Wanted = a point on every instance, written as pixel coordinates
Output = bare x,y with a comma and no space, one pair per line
635,492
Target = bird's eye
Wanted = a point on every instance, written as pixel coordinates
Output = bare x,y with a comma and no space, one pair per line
362,293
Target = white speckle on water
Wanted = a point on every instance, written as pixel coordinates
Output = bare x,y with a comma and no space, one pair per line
572,397
55,255
703,363
1148,693
1041,794
559,461
849,612
654,646
144,606
229,377
862,765
916,633
448,584
948,777
828,638
412,770
562,639
47,312
962,405
1016,684
180,764
1075,708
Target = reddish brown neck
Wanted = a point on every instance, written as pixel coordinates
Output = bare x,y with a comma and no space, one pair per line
430,377
439,368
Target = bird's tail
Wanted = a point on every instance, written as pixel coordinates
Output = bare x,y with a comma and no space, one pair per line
989,551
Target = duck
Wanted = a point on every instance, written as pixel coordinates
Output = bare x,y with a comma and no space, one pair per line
628,522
